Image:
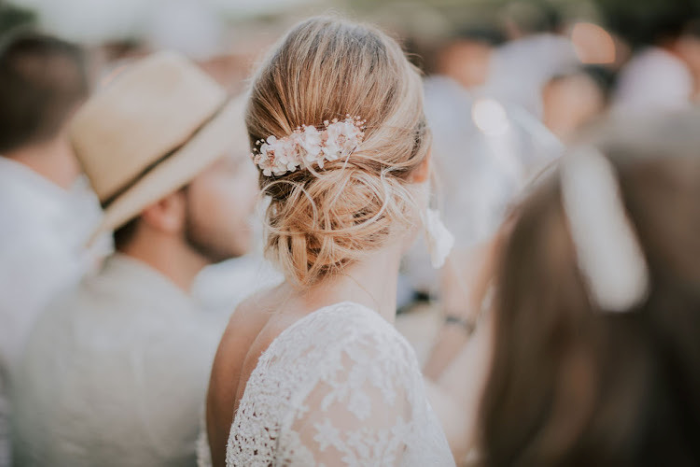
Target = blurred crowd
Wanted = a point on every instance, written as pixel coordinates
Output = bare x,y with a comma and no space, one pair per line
507,95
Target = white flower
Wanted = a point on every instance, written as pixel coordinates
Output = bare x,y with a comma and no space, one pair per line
284,155
342,138
330,147
311,142
287,155
265,162
440,241
352,136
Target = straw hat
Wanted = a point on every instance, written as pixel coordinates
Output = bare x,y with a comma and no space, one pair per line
150,132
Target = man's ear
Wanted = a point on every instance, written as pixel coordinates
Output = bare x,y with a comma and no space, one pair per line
166,215
421,174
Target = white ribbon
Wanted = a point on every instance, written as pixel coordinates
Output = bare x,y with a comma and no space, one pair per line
607,249
440,241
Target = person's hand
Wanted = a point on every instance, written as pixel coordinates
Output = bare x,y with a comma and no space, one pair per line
467,278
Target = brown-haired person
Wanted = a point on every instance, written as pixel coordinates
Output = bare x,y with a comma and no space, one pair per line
596,354
313,372
46,209
115,371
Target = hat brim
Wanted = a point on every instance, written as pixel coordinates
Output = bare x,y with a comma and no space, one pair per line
206,147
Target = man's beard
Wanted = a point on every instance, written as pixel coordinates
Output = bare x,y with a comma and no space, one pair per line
200,242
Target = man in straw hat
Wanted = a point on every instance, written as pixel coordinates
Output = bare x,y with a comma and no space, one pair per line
115,373
46,209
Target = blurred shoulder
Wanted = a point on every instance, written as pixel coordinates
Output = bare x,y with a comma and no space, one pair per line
247,321
253,313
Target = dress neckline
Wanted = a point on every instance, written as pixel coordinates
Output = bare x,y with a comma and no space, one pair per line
327,309
265,355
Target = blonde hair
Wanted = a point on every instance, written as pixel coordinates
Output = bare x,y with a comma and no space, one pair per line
320,221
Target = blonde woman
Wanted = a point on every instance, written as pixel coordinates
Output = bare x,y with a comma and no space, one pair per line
312,372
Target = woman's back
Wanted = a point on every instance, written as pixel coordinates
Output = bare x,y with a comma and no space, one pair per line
340,386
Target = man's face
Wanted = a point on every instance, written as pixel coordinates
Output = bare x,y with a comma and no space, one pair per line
467,62
220,202
570,103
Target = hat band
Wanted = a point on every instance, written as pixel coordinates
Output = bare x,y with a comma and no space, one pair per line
141,175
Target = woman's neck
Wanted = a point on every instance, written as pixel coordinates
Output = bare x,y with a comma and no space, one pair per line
372,282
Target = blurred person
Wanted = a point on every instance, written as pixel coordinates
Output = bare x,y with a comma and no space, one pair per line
47,211
466,57
489,141
115,371
460,150
463,341
588,354
574,100
485,149
659,76
536,52
313,371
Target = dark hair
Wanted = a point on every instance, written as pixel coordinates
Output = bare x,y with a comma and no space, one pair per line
124,234
603,77
571,385
648,22
692,28
533,16
485,34
42,80
13,17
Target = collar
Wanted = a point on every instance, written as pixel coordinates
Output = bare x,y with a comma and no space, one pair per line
137,279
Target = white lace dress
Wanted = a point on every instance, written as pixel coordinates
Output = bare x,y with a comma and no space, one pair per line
340,387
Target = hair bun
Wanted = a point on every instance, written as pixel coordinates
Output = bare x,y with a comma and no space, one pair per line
349,197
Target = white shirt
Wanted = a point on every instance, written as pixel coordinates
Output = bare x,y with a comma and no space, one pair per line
42,232
116,373
654,80
519,69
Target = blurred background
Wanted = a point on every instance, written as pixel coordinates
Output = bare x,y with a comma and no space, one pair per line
508,84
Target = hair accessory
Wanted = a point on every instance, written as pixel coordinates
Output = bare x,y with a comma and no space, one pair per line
308,146
608,252
440,241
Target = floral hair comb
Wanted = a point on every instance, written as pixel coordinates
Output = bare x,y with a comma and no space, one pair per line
308,146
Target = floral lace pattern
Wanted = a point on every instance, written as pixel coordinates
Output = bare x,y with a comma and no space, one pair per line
339,387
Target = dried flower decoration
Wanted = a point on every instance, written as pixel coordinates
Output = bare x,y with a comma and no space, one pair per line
308,146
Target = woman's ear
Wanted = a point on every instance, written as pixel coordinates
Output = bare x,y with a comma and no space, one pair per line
422,173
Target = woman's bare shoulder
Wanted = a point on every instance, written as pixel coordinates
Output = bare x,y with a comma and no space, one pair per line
240,336
246,323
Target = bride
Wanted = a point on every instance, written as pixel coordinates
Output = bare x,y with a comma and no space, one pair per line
313,372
